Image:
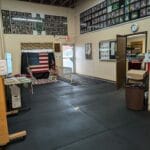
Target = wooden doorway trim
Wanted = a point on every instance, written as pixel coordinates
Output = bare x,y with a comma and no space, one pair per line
146,37
123,77
121,61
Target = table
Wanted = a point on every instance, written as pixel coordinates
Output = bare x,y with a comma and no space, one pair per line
13,84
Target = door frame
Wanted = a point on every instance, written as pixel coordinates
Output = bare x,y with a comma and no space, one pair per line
137,33
74,58
132,34
117,57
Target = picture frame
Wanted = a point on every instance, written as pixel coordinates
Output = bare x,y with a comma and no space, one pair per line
115,6
148,11
148,2
88,51
121,19
134,15
104,50
113,49
127,9
121,11
57,47
127,17
143,12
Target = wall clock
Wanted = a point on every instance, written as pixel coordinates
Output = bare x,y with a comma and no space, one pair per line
134,27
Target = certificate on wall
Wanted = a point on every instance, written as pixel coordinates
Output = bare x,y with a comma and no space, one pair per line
3,67
113,49
88,50
104,50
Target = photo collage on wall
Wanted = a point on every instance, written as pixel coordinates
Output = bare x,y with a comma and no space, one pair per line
18,26
55,25
112,12
31,23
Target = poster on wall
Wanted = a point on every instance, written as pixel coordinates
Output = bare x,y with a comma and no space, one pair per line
104,53
57,47
3,67
88,51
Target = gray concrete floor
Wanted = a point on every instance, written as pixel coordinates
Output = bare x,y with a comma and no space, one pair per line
89,116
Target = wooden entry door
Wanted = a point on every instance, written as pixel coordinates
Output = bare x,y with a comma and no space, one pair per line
121,60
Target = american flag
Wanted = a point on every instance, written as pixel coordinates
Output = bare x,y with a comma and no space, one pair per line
43,64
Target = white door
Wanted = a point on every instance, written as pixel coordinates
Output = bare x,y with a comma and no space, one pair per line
68,56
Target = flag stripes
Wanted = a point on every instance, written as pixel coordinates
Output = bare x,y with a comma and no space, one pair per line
43,65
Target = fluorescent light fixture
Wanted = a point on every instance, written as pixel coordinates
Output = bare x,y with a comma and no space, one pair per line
24,19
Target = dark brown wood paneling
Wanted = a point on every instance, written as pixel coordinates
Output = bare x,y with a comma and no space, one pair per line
121,60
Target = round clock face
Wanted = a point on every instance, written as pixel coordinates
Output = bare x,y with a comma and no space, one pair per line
134,27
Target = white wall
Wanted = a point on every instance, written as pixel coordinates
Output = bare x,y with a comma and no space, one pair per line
95,67
12,41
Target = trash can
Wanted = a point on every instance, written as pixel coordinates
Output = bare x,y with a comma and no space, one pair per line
135,97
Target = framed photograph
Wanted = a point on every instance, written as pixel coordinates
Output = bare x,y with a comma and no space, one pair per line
132,7
121,19
127,17
113,49
143,3
148,11
137,6
115,6
104,50
117,20
57,47
114,21
104,4
143,12
105,11
109,22
148,2
127,9
105,24
88,51
117,13
134,15
109,16
121,11
109,9
127,2
109,2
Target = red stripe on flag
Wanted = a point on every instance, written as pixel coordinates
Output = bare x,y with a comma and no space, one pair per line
43,64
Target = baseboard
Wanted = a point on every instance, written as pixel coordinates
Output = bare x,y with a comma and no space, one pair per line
97,78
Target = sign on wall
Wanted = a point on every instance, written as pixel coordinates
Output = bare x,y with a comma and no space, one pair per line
88,50
3,67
